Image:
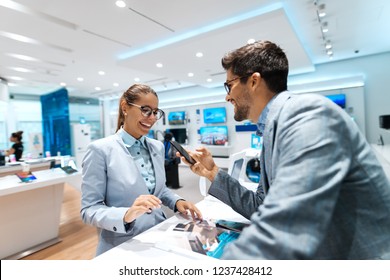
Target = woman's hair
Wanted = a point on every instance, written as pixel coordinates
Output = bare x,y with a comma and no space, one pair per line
17,135
130,96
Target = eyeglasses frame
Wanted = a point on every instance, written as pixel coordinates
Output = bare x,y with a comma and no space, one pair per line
152,111
227,86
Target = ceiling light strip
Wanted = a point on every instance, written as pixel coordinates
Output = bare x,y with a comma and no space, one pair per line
24,9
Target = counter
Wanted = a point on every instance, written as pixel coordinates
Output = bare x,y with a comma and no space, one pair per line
152,244
30,212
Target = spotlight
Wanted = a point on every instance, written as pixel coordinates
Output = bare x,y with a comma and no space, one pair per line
321,10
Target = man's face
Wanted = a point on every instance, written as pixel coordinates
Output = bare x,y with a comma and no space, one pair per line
238,95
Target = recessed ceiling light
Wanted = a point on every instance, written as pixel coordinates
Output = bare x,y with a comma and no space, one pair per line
137,79
251,41
190,74
199,54
97,88
102,73
63,84
120,3
209,80
159,65
115,84
80,79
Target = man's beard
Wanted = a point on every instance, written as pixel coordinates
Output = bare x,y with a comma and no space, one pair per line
241,113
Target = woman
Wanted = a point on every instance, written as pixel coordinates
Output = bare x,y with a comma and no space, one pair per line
17,148
123,175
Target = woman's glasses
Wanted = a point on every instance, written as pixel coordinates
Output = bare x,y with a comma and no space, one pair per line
146,111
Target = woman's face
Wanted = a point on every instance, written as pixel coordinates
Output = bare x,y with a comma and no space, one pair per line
135,123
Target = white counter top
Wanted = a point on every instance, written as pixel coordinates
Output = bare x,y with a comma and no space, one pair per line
11,184
152,244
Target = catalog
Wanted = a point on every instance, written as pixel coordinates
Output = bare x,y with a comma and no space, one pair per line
207,237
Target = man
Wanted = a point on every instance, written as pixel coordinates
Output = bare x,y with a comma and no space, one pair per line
323,194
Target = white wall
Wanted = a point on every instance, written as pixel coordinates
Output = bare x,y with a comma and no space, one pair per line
375,71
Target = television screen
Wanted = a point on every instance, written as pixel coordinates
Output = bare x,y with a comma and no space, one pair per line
150,134
180,134
214,135
339,99
176,117
214,115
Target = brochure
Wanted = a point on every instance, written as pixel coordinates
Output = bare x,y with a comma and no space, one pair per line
207,237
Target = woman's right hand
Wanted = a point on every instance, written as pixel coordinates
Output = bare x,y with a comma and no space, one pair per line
143,204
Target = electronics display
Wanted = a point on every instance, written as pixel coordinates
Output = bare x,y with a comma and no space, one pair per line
178,117
384,121
26,176
339,99
151,134
183,152
214,115
214,135
180,134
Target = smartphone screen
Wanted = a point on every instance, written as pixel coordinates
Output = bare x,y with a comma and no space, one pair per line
183,152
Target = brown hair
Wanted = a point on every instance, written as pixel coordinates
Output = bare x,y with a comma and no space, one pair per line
130,96
17,135
263,57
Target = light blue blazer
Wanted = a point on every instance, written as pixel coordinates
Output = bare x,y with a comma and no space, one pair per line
327,197
111,182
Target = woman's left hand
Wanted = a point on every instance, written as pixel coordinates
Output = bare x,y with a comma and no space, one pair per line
182,206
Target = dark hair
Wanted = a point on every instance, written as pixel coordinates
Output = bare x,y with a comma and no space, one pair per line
168,136
263,57
17,135
130,96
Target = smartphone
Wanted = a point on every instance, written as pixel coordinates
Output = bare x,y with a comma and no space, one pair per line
26,176
183,152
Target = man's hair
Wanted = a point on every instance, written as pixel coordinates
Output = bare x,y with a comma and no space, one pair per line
263,57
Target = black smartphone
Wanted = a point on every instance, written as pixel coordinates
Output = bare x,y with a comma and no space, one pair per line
183,152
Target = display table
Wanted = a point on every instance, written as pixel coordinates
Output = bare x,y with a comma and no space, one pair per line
30,212
151,246
34,164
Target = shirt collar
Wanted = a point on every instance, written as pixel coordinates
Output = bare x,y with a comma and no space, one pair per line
263,117
130,140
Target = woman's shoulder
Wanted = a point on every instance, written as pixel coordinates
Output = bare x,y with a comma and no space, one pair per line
106,141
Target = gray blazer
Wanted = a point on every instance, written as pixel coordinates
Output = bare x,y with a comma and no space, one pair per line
111,182
327,196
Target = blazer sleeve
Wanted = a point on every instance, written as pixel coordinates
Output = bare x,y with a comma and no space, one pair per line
94,211
230,191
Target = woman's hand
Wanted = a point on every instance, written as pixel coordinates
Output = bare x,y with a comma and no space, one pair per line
143,204
184,206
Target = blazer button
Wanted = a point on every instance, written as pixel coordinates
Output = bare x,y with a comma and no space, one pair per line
114,228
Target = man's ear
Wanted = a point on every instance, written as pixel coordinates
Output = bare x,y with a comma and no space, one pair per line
256,78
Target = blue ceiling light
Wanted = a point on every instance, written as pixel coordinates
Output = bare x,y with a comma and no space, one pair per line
201,30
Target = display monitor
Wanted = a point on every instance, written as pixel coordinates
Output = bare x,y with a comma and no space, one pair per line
177,117
150,134
214,115
180,134
339,99
214,135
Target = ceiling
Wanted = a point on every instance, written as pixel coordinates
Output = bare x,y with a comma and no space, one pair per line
69,39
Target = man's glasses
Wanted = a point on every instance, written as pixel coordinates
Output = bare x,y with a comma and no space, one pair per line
146,111
227,83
